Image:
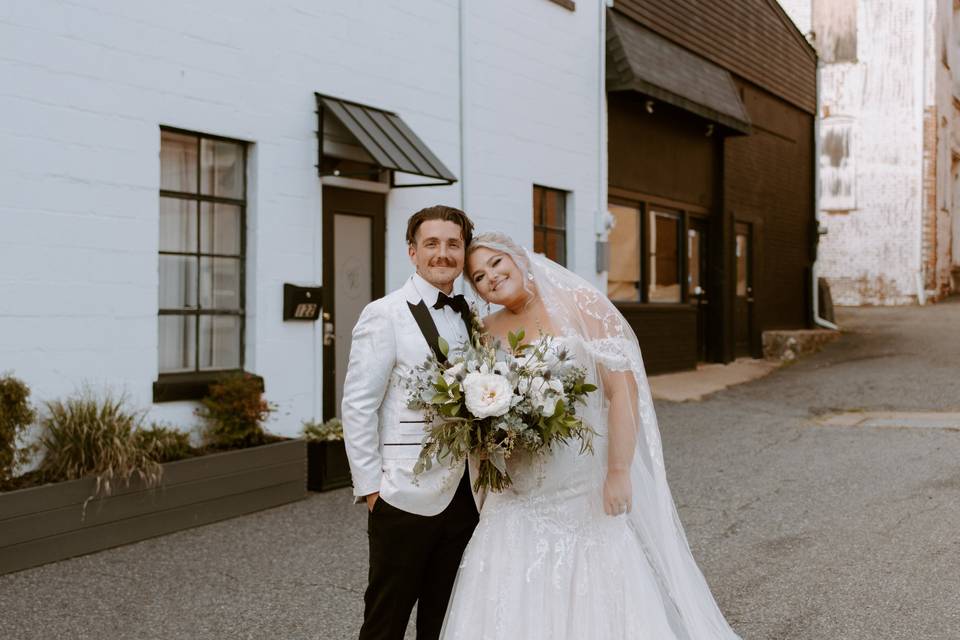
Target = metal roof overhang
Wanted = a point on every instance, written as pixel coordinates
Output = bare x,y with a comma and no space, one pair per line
640,60
386,137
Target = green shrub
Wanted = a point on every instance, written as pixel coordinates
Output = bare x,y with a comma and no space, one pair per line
331,430
87,436
164,444
233,413
16,415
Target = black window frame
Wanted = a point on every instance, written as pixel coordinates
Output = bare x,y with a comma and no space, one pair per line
192,385
539,222
647,209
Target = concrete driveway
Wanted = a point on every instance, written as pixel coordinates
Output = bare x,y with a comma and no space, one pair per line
805,530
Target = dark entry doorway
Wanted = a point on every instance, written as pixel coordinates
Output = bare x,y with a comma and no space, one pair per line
353,275
697,279
743,298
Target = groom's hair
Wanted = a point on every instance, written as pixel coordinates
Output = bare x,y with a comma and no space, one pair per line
440,212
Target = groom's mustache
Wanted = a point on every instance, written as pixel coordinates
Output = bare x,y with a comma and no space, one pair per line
443,262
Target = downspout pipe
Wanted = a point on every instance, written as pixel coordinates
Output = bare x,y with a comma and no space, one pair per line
464,106
601,220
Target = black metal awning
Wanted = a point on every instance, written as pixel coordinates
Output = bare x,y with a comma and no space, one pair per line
383,135
640,60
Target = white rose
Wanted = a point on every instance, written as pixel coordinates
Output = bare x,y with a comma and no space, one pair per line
450,375
502,368
487,394
544,395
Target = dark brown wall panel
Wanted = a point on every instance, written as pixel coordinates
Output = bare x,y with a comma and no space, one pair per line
665,154
769,183
751,38
667,335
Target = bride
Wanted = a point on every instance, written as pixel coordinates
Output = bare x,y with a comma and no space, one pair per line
580,547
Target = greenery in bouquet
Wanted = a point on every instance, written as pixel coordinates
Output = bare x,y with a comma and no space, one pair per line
491,401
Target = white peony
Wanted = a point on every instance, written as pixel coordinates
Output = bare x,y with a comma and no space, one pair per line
487,394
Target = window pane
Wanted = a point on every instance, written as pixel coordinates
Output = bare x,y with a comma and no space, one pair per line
695,285
178,225
219,342
537,206
220,228
177,343
554,211
220,284
539,241
741,265
221,170
178,282
664,259
623,278
556,247
178,162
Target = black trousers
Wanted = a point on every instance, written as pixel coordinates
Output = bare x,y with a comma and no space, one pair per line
414,560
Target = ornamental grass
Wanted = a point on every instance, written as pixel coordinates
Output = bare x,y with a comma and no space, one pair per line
164,444
89,436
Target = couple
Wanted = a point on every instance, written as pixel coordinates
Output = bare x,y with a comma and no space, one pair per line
581,546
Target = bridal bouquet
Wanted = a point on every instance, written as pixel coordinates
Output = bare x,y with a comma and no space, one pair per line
493,402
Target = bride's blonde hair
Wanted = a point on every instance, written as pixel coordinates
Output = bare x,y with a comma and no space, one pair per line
496,241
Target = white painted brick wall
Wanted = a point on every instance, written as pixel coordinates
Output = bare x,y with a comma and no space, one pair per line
874,254
87,83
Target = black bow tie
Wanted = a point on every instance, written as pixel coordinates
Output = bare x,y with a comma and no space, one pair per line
458,303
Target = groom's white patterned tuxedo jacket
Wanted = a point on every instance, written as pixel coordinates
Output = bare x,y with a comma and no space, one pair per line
382,436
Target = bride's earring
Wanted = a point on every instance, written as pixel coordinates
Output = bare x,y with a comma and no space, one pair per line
529,275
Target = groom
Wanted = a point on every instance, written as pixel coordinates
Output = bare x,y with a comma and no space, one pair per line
417,527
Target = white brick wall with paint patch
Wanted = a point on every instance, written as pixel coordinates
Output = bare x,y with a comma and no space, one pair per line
87,84
886,120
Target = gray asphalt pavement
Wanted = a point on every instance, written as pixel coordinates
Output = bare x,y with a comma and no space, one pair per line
803,531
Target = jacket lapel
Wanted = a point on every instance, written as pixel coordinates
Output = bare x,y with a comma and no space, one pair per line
468,320
427,327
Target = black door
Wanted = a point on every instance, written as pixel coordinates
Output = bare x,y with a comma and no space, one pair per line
743,293
353,275
697,283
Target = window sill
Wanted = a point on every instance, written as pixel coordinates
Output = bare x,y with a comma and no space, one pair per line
653,307
171,387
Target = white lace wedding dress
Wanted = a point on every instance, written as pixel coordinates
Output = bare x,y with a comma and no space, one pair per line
546,562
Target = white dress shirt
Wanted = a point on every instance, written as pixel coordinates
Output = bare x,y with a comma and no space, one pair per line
449,323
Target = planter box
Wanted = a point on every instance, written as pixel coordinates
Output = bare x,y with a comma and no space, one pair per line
44,524
327,466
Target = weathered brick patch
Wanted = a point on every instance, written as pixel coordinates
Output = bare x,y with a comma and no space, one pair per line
787,346
892,419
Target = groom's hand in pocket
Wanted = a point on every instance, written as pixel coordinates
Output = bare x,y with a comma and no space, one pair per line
372,500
